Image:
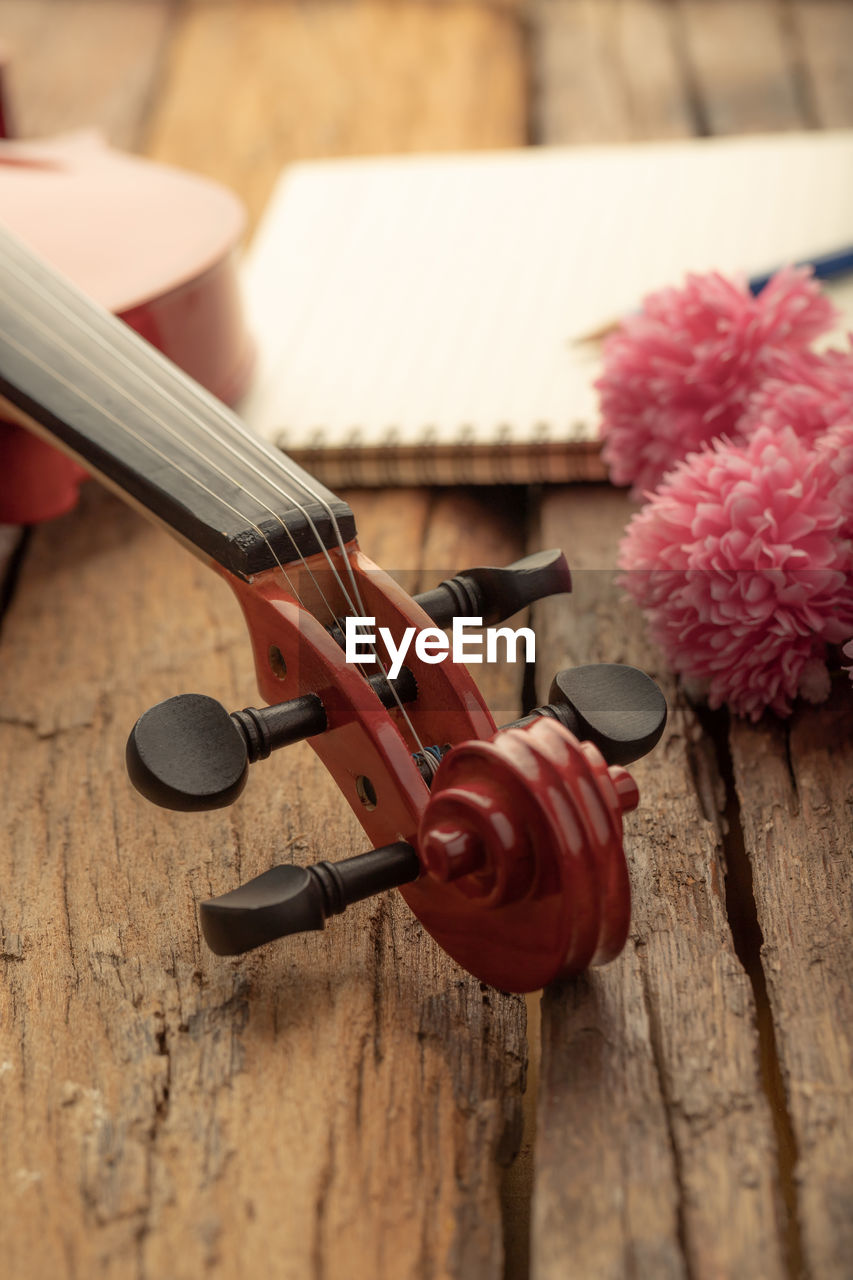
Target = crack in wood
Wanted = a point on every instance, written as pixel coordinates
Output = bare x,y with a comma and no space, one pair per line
40,732
748,941
158,1119
377,937
66,910
658,1059
161,1103
792,772
327,1174
516,1191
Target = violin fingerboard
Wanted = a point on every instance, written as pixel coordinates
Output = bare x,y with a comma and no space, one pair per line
109,398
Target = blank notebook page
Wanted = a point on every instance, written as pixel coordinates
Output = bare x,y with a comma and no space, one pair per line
440,297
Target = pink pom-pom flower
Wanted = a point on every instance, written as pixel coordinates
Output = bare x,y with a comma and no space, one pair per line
808,392
740,564
682,370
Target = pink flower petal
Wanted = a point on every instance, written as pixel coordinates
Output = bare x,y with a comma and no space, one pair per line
686,368
758,586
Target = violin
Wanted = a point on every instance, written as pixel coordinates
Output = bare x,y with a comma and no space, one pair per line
506,843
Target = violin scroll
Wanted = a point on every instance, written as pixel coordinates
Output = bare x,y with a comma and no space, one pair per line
523,838
518,868
187,753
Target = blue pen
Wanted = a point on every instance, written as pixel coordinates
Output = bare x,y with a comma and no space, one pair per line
826,267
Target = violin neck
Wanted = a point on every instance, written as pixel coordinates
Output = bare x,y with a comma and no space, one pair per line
93,386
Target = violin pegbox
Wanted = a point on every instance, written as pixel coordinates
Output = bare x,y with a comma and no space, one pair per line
188,754
508,845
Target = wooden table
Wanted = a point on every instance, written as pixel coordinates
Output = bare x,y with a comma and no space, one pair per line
351,1104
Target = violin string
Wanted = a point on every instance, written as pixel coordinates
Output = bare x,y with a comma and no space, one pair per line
281,462
158,453
34,286
234,423
271,456
119,356
182,437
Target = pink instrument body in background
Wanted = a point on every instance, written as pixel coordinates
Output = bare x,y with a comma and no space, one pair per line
154,245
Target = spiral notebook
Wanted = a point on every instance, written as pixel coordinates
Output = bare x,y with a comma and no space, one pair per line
424,319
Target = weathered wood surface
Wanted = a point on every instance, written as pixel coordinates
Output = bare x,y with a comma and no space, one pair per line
253,85
343,1106
83,64
626,70
823,37
694,1113
340,1104
741,65
607,71
655,1146
795,801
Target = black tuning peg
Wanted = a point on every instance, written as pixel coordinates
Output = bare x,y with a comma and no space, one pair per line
618,708
289,899
495,594
189,753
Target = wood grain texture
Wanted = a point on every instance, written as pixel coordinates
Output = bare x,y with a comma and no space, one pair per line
823,34
254,85
83,63
340,1103
795,788
741,66
607,71
696,1055
342,1106
655,1146
608,1194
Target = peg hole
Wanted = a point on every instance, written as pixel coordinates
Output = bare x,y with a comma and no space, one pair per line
365,791
277,662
